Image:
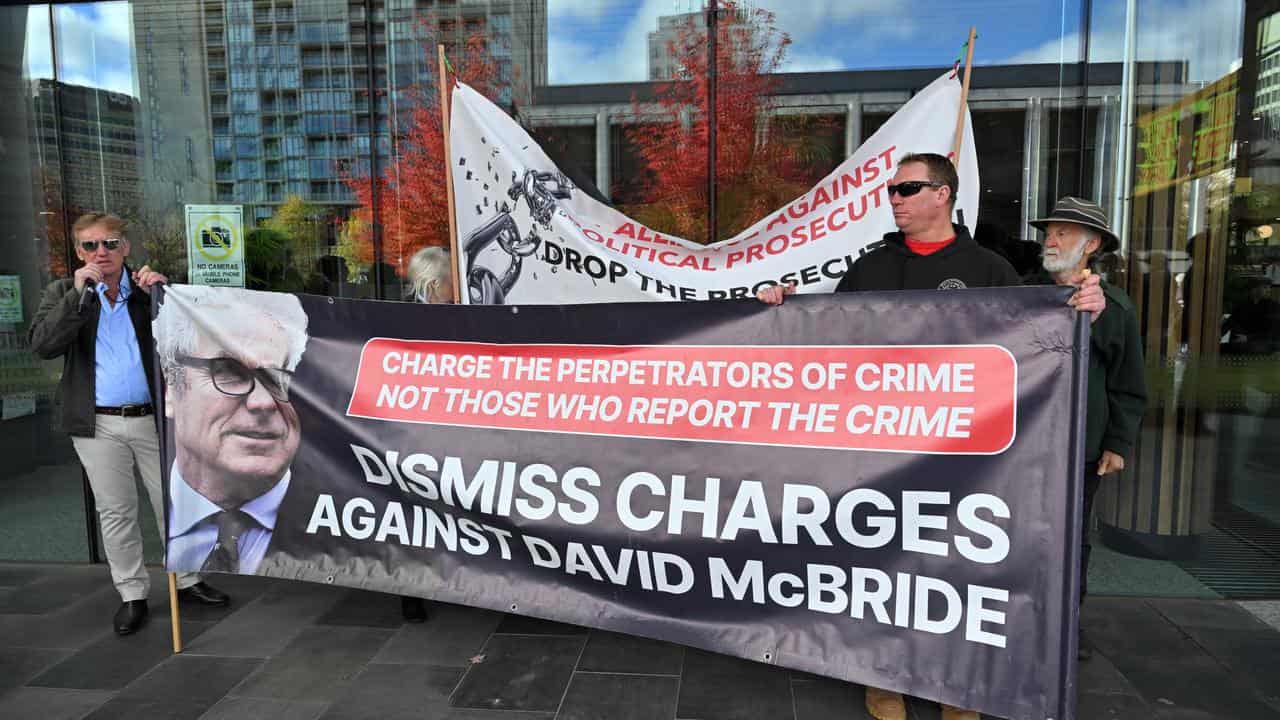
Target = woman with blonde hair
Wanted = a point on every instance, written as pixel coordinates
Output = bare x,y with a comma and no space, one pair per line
430,281
431,276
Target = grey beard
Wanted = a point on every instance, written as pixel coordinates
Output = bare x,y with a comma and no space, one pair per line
1063,263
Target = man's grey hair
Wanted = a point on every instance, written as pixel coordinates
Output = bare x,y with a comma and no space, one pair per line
223,310
429,265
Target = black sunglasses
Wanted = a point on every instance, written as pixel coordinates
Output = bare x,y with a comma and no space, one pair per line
91,246
911,187
234,378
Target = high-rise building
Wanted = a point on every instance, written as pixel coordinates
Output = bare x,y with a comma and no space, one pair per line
1266,98
174,123
88,153
258,100
663,63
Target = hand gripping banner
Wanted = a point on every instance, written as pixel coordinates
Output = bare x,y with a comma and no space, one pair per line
881,488
526,235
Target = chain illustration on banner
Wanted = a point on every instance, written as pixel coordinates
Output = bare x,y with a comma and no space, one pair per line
540,191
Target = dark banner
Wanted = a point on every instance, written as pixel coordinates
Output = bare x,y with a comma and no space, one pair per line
882,488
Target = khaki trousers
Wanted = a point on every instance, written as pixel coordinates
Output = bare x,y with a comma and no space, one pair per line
108,458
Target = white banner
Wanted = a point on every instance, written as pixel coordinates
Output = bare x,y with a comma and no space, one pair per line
527,236
215,245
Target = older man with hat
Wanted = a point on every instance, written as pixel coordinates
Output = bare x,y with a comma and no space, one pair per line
1076,234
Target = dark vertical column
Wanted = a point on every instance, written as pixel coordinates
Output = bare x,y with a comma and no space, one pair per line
1086,13
713,40
374,171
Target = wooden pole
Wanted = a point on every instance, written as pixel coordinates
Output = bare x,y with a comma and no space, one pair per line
448,176
964,98
173,613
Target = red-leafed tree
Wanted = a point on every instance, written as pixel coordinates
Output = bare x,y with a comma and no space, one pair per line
759,165
412,207
56,219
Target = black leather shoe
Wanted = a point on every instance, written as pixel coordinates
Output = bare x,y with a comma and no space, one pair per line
204,594
131,616
413,609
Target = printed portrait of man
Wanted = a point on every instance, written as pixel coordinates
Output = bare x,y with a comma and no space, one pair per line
228,357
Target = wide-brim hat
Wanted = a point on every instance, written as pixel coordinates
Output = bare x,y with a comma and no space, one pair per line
1082,212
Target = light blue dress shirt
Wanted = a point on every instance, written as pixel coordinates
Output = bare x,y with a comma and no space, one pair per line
119,377
193,533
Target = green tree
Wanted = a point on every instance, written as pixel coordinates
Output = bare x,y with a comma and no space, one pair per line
303,224
266,259
353,238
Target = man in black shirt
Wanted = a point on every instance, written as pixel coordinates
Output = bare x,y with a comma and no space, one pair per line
930,252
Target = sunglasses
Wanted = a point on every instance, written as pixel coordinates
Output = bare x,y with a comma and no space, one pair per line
907,189
91,246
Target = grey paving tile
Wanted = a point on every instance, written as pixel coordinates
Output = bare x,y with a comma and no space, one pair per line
56,589
187,677
1209,614
819,698
1251,656
524,625
450,637
1099,675
243,708
363,608
395,692
1183,714
316,666
471,714
50,703
267,624
1193,682
243,589
1106,706
718,687
113,662
70,628
1268,611
601,696
119,708
1128,628
616,653
18,665
520,673
17,574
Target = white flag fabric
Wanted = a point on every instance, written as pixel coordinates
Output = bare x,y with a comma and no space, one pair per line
527,236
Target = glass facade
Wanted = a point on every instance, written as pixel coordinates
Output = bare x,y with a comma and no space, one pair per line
319,117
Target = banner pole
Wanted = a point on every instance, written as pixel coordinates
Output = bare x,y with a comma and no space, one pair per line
173,613
448,176
964,97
